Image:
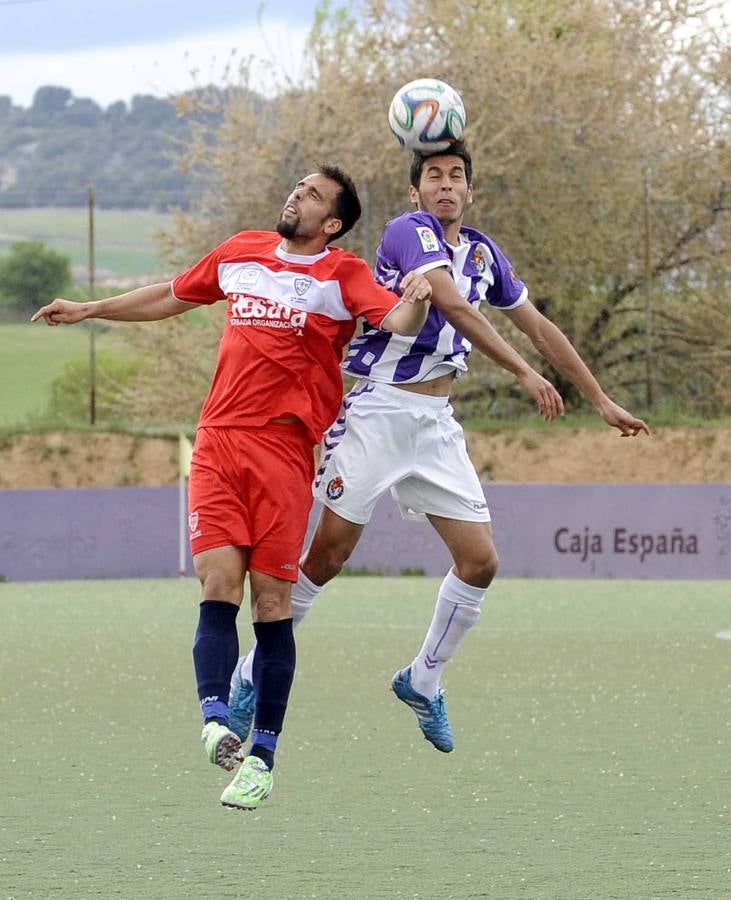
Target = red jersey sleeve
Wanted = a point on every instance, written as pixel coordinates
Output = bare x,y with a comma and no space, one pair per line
362,295
200,283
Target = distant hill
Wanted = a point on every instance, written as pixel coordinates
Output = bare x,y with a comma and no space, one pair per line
50,152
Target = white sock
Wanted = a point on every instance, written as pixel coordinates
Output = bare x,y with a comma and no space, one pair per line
303,596
456,611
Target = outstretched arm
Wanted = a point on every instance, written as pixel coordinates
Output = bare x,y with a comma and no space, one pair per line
554,346
145,304
475,327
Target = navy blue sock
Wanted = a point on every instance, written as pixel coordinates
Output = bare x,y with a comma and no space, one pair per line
215,652
273,673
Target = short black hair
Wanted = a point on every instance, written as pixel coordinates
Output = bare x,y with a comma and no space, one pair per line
347,205
458,148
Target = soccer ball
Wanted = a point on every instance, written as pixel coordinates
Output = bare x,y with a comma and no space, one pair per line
427,115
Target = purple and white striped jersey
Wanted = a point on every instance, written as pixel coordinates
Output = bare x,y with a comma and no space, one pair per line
482,272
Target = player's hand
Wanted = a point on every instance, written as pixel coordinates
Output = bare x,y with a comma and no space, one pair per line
614,415
61,312
544,393
415,288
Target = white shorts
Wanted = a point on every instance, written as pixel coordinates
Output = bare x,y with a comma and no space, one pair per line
390,439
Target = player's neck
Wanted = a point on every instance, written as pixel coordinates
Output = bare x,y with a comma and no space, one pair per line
304,247
451,232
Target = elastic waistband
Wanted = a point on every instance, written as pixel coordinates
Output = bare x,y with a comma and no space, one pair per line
403,398
297,427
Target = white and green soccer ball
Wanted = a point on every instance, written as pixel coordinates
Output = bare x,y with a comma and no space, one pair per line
427,115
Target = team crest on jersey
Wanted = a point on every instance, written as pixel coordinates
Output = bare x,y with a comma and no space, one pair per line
302,285
193,524
478,258
428,239
335,488
247,278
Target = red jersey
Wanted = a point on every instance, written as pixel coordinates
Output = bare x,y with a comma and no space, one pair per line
289,317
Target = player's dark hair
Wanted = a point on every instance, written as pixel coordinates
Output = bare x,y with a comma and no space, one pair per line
459,149
347,204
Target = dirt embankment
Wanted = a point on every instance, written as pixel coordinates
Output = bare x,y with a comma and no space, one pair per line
603,456
71,459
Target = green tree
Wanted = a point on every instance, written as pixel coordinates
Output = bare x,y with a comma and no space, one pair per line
32,275
50,101
69,400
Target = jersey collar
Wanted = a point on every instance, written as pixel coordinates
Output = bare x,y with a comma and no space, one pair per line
300,258
463,239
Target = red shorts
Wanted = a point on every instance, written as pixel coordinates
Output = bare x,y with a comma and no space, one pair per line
252,487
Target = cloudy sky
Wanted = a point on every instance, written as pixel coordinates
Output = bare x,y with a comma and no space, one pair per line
112,49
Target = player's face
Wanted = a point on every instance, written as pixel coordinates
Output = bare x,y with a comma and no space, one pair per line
443,189
308,211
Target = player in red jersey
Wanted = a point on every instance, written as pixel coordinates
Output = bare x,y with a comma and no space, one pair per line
292,305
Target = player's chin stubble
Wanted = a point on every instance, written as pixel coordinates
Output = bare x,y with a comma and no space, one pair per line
288,229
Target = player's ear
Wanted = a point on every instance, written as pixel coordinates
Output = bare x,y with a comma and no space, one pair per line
469,194
413,195
333,225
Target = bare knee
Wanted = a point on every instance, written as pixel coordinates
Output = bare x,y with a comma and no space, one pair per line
478,570
334,559
271,606
270,598
325,560
221,574
335,539
219,584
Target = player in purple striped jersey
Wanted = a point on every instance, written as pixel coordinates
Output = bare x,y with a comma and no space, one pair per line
397,432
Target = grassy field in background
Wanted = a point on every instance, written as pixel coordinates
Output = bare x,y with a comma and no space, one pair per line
592,725
32,356
125,239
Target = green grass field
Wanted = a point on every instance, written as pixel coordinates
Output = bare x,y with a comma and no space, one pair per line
125,238
592,723
32,356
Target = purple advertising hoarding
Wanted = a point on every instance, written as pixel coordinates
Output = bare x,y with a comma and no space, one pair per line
578,531
541,531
